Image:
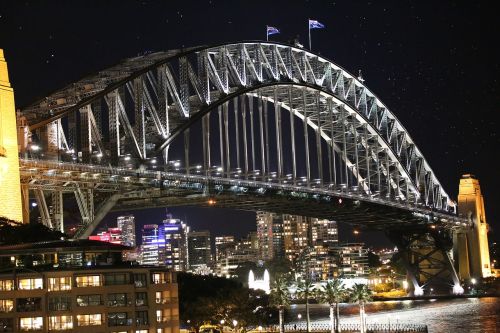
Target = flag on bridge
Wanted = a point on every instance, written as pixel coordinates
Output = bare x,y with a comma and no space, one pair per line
313,24
271,31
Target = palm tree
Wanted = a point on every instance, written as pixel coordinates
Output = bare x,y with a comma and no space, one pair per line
306,290
280,297
332,293
361,294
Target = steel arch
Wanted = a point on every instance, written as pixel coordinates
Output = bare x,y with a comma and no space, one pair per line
169,91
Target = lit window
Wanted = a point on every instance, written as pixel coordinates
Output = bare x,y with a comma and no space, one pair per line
88,300
60,323
6,305
6,285
30,284
89,319
88,281
141,331
59,283
159,278
32,323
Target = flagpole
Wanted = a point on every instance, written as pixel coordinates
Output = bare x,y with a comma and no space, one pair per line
309,27
267,33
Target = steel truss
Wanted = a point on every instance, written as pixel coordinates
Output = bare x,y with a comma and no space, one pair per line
234,113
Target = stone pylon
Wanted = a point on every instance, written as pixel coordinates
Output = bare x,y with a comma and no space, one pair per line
471,246
10,184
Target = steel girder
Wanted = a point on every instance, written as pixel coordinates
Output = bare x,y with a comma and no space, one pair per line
361,147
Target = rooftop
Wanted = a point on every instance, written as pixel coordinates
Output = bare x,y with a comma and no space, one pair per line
62,245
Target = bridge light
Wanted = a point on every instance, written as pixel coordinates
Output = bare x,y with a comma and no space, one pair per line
340,200
34,204
433,226
177,164
457,289
473,281
35,147
127,158
99,155
211,202
419,291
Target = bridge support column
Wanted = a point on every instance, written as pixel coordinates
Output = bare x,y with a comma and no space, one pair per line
472,247
10,193
426,256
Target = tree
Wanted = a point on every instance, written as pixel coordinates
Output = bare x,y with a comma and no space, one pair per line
332,293
305,291
12,232
280,297
373,260
361,294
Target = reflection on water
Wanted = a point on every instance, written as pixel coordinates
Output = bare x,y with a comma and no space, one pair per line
476,315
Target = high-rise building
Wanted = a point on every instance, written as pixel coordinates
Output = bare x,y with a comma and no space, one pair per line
323,232
176,252
126,224
295,235
241,252
270,233
62,286
352,260
199,251
153,245
289,236
222,245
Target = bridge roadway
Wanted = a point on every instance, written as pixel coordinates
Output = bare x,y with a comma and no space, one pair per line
133,189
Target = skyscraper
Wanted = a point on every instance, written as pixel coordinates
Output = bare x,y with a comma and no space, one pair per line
222,244
153,245
175,233
270,234
126,224
199,250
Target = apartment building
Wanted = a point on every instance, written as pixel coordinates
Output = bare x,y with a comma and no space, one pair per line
83,286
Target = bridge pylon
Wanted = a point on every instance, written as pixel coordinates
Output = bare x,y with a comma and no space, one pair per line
471,252
425,253
10,186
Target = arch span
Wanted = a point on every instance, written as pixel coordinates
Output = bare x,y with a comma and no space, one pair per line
128,115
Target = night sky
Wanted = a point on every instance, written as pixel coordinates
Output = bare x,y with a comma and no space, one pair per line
433,63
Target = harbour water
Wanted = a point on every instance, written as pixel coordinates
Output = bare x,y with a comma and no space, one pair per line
462,315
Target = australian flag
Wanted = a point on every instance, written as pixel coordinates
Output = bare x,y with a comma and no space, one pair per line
272,30
313,24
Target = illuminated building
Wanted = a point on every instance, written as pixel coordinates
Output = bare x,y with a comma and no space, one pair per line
243,251
352,260
270,234
295,235
10,194
126,224
83,286
153,245
113,235
175,237
199,251
222,245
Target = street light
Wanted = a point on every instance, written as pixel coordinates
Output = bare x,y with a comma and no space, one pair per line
235,322
222,321
299,316
473,281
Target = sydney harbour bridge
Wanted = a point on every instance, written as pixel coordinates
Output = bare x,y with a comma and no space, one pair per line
249,125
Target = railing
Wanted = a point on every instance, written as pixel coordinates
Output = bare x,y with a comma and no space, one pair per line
353,327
